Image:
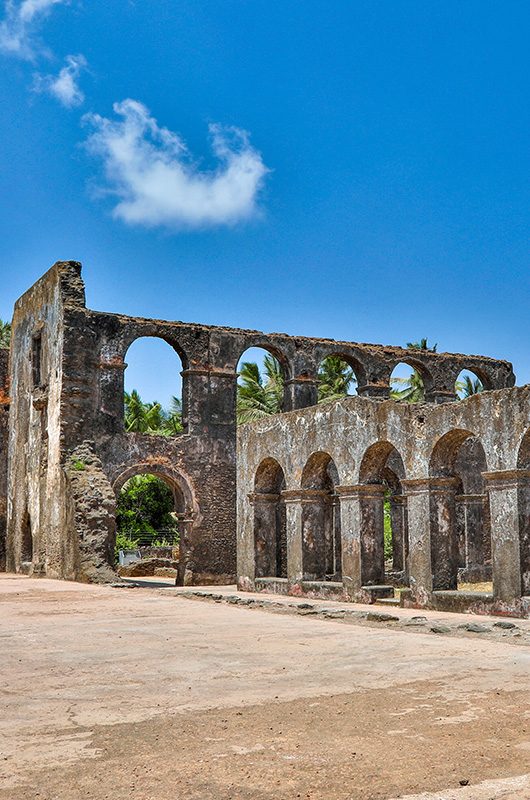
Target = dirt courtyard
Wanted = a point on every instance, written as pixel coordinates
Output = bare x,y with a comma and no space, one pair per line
139,693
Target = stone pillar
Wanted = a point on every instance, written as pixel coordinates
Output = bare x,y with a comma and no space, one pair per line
337,538
398,521
508,492
350,521
208,400
417,494
293,508
473,519
444,537
372,498
300,392
265,533
317,533
441,396
111,384
377,391
185,528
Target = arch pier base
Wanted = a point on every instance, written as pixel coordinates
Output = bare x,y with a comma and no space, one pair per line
506,489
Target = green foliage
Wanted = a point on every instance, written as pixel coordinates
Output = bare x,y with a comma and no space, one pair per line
257,395
78,465
387,529
145,505
413,388
5,334
468,387
143,417
335,379
125,542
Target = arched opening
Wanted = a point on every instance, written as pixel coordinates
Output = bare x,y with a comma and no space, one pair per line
154,515
410,382
321,532
26,540
384,530
467,384
154,390
261,384
338,376
459,514
523,498
270,524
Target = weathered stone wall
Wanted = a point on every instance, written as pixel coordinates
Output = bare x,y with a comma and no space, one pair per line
429,439
4,418
38,539
67,377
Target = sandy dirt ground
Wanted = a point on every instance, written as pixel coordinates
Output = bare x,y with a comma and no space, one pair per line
137,693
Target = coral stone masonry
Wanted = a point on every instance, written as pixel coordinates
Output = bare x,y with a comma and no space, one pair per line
316,485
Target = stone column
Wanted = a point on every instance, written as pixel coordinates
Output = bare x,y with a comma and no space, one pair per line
265,533
377,391
293,509
472,506
336,553
111,385
317,533
444,537
350,521
372,498
208,399
508,493
185,526
417,494
300,392
399,527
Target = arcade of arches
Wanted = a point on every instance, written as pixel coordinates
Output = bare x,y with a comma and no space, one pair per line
356,496
414,507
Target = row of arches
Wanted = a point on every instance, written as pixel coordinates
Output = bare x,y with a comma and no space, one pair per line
459,516
157,372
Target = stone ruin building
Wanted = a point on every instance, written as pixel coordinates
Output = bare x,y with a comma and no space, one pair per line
312,482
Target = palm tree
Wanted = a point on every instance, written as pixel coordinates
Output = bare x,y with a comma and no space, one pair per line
135,413
257,395
421,345
335,378
5,334
468,387
413,390
172,424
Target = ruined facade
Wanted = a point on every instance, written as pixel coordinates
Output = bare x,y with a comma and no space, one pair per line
314,483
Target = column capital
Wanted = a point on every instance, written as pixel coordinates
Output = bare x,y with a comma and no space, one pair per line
498,480
311,379
429,484
366,490
262,497
207,370
305,495
377,391
467,499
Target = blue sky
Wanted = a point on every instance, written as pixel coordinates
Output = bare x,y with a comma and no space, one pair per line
381,191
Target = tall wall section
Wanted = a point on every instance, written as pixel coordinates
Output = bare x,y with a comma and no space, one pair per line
69,453
4,417
38,539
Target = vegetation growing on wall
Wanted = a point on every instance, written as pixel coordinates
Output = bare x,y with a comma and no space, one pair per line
5,334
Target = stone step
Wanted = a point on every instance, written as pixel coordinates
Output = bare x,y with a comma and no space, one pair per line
387,601
378,592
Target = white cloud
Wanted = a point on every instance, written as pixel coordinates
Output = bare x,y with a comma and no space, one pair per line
17,29
149,169
64,85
